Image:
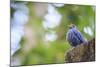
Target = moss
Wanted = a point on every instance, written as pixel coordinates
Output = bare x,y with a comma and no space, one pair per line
82,53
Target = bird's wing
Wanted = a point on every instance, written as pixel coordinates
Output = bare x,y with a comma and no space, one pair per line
78,35
74,37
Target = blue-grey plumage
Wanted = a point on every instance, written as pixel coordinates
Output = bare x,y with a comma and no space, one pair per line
73,36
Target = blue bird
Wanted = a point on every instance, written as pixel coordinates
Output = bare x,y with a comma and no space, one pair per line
73,36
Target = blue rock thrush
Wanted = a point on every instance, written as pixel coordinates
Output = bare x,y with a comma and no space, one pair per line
73,36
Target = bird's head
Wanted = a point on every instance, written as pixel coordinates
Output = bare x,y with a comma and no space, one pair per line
71,26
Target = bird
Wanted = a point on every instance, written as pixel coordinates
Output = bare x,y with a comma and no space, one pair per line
73,36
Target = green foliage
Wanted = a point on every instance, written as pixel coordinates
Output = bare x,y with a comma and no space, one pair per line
54,52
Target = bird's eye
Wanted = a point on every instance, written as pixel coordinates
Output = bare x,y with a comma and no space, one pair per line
70,27
73,26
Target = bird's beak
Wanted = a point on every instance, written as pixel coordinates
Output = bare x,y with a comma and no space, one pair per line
68,25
